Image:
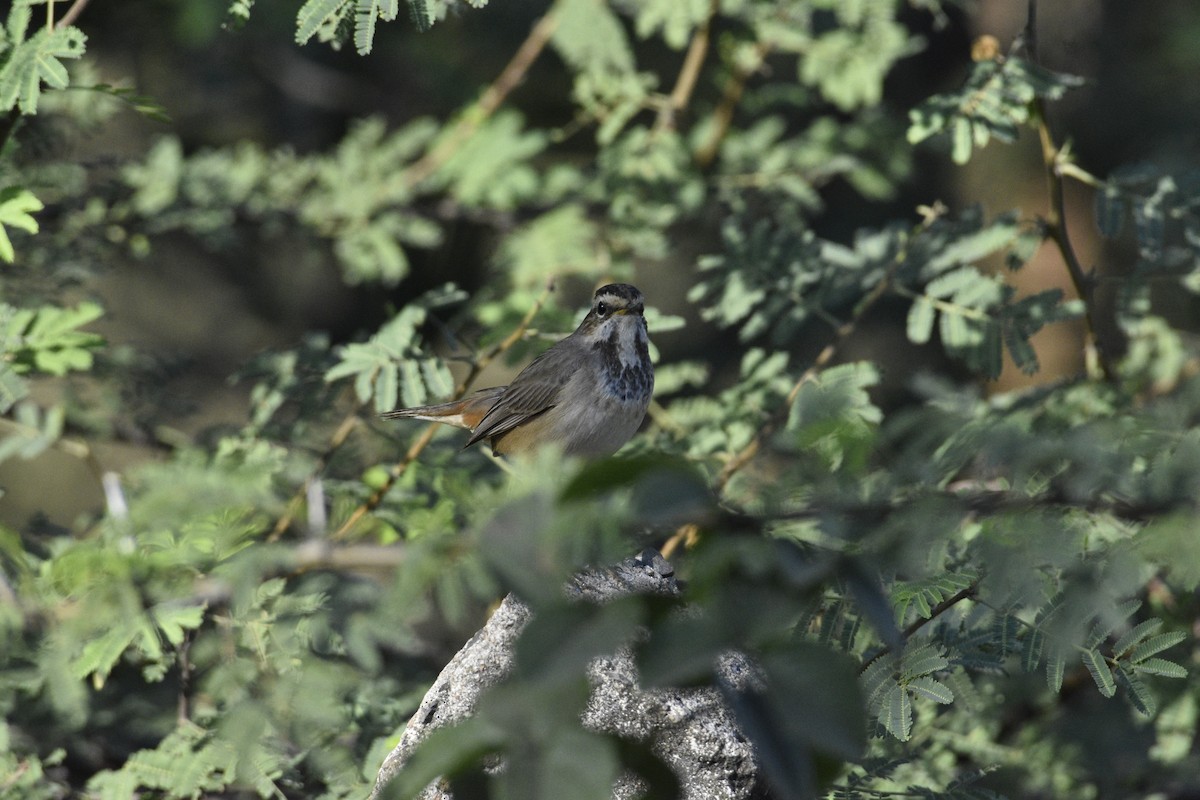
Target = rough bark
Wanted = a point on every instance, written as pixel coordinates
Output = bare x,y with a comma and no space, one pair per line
691,730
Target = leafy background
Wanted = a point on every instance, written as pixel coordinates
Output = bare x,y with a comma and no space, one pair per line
923,443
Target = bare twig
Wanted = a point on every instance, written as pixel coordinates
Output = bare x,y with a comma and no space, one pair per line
747,453
916,625
730,97
685,83
72,14
336,440
1056,216
418,446
1056,231
473,117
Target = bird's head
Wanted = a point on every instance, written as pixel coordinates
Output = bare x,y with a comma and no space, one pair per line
616,307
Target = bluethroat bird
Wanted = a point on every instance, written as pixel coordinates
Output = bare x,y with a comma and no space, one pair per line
587,395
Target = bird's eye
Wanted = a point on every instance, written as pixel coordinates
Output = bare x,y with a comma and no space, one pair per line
601,309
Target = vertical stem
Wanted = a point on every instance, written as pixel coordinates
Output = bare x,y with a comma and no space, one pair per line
1056,231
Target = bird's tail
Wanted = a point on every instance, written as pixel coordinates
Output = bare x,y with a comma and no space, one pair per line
464,413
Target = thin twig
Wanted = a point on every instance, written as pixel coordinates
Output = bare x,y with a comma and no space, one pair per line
1056,216
747,453
687,534
472,118
916,625
1056,231
336,440
72,14
685,83
418,446
723,115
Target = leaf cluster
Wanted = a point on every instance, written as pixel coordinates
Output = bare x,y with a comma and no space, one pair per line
262,607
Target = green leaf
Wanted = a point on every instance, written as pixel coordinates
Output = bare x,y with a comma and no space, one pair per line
1135,636
317,13
1156,644
492,169
392,362
1055,666
962,138
1161,667
48,340
37,61
995,102
931,689
1139,693
100,655
16,206
589,37
175,621
559,242
675,18
1101,674
418,12
922,595
1031,651
922,660
896,713
920,320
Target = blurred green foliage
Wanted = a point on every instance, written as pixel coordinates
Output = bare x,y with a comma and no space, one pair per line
939,595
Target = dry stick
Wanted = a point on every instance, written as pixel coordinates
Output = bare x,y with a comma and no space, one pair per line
336,440
470,120
72,14
1056,229
687,534
743,457
1056,217
916,625
372,502
685,83
730,97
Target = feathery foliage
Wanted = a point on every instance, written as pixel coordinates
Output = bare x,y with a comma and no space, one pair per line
936,590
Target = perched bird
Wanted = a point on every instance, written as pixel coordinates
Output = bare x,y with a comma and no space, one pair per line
587,394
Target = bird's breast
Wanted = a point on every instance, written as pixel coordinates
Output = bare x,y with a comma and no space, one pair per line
625,372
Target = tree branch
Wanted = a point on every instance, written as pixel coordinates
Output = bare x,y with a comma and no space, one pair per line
916,625
722,117
685,83
1056,217
1056,231
473,117
72,14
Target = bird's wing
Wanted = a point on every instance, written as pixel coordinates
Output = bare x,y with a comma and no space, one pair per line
534,391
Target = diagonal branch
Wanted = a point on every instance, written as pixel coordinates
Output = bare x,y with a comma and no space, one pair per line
1056,217
916,625
473,117
722,116
685,83
72,14
747,453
